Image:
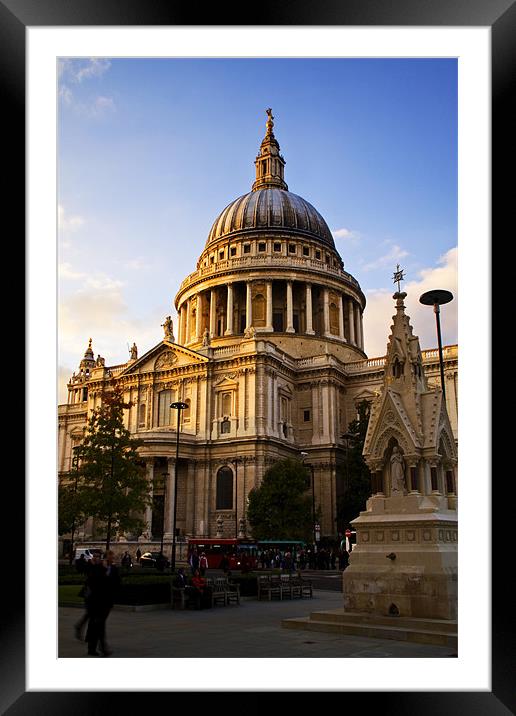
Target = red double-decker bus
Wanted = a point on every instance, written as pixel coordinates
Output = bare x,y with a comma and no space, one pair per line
240,552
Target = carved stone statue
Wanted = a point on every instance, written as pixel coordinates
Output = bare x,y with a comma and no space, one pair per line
168,327
134,352
397,472
206,338
100,361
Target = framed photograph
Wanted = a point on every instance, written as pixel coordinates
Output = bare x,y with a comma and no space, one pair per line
49,55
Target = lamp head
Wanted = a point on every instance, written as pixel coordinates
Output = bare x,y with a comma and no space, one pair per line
179,405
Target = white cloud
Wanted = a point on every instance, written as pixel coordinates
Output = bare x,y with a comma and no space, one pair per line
101,106
395,254
65,271
380,308
344,234
79,70
68,223
66,95
137,264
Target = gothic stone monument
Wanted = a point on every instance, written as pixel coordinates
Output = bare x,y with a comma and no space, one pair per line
405,560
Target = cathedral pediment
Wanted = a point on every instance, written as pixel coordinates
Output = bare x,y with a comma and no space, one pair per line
165,356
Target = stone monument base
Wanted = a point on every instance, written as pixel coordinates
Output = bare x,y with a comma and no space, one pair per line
405,560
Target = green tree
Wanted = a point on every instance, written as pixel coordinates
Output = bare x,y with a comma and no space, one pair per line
280,507
112,486
70,511
354,474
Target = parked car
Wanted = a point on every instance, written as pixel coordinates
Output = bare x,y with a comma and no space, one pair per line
152,559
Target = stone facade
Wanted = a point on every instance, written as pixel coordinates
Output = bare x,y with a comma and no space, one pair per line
267,353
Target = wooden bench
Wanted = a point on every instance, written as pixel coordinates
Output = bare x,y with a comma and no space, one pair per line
180,599
302,587
223,591
284,586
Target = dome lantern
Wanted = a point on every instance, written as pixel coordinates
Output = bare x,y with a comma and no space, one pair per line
269,163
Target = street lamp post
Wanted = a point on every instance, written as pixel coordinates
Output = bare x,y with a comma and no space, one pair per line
179,406
436,298
305,455
164,477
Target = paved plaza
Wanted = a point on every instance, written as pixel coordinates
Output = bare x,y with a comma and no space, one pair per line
251,629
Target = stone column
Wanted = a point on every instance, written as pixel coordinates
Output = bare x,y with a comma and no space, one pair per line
326,330
169,498
179,326
290,313
358,319
187,323
413,477
434,477
248,306
198,317
351,316
190,497
149,467
268,320
341,318
379,482
213,314
229,312
309,328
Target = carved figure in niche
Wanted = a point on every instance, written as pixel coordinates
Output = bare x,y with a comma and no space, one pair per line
397,472
206,338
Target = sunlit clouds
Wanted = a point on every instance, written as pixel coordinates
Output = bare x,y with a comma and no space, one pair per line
72,74
381,307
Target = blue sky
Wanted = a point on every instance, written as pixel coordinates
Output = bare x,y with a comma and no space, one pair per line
151,150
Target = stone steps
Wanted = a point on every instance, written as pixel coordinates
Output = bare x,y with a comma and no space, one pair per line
424,631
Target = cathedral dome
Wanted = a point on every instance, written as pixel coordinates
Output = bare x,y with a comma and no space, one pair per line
271,208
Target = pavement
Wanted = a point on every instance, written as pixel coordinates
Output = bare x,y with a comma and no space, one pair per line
251,629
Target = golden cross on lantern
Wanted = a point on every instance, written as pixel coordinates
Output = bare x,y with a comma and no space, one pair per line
398,276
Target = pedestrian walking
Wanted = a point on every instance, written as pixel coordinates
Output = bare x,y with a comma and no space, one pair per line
103,582
138,555
194,561
203,564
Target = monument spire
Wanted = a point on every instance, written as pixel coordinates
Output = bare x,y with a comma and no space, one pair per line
269,163
404,362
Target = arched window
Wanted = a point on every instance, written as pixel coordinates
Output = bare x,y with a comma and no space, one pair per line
259,310
334,319
224,499
397,368
141,414
226,404
164,411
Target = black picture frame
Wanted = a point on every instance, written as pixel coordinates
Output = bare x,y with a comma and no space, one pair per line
500,16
